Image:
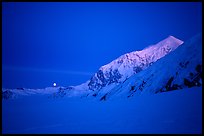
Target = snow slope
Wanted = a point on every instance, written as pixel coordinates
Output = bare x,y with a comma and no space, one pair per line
175,112
179,69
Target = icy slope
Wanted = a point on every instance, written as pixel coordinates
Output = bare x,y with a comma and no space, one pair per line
179,69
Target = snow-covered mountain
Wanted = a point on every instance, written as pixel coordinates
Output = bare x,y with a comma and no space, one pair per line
179,69
131,63
111,74
176,112
157,68
120,69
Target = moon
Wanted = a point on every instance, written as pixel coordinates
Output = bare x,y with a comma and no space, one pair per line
54,84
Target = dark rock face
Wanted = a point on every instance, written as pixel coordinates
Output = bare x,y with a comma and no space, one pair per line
94,83
199,68
7,94
168,84
137,69
132,88
115,76
120,61
188,83
167,49
193,79
68,88
103,98
62,91
98,81
101,77
141,86
170,87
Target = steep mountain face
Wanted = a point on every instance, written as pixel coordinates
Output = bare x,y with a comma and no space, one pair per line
131,63
179,69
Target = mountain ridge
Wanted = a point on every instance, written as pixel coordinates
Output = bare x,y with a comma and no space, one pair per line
131,63
177,70
112,76
117,71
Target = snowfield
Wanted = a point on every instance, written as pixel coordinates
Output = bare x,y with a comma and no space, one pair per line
154,91
174,112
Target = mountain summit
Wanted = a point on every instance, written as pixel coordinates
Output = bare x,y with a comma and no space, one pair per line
178,70
131,63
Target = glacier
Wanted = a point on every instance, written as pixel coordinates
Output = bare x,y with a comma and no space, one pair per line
157,90
175,112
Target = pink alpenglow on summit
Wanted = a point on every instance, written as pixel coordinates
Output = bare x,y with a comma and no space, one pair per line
140,60
120,69
131,63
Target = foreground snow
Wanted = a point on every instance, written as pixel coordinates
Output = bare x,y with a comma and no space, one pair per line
177,111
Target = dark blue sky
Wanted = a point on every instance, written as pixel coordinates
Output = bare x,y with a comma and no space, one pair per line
66,43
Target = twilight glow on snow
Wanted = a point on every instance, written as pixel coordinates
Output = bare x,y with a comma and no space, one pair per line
101,68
